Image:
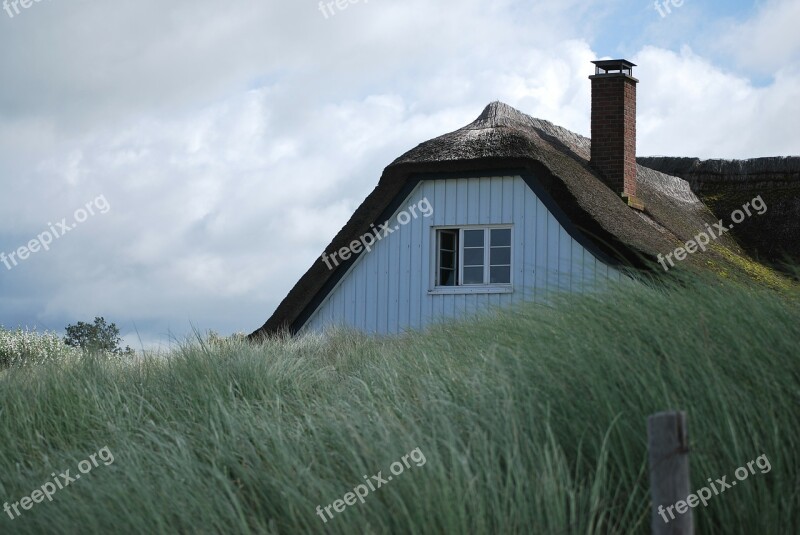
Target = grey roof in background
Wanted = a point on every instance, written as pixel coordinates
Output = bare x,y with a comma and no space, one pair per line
726,185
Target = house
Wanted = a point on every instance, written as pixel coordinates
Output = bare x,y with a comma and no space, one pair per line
506,209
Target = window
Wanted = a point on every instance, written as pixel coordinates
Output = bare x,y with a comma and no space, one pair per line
500,256
473,256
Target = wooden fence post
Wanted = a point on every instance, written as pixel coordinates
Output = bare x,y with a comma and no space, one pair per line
668,459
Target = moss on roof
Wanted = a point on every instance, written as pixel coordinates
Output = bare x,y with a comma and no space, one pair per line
726,185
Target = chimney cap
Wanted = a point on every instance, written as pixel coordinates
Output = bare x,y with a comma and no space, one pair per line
613,66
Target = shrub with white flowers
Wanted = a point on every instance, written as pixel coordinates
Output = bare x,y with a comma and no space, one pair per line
24,347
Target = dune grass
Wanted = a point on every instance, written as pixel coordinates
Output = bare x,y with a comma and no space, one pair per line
530,421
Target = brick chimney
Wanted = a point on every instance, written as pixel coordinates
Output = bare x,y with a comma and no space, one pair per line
614,127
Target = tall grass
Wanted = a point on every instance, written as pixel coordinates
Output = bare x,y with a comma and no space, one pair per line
531,421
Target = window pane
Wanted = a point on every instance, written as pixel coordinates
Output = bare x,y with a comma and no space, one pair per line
500,275
501,236
447,240
473,257
447,277
473,275
500,256
473,238
448,260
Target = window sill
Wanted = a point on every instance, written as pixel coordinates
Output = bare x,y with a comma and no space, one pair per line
462,290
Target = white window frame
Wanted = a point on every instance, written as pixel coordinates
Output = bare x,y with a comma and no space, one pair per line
483,288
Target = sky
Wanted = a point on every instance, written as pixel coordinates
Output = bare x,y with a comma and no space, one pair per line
192,159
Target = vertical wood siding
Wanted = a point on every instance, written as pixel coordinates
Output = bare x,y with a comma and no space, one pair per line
386,290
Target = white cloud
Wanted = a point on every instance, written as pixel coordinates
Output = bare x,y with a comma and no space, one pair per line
768,42
689,107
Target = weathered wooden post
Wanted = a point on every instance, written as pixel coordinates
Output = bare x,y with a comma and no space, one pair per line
668,458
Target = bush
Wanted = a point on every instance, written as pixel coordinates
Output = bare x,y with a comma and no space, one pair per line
27,347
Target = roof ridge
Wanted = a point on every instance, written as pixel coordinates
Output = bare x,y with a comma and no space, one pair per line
497,114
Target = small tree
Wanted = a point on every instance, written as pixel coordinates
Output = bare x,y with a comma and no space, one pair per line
97,337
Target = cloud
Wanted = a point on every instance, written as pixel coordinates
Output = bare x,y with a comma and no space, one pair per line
689,107
769,41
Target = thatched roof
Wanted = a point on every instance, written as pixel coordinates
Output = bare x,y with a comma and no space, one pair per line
725,185
555,162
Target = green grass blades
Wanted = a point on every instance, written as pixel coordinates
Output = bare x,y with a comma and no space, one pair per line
531,420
